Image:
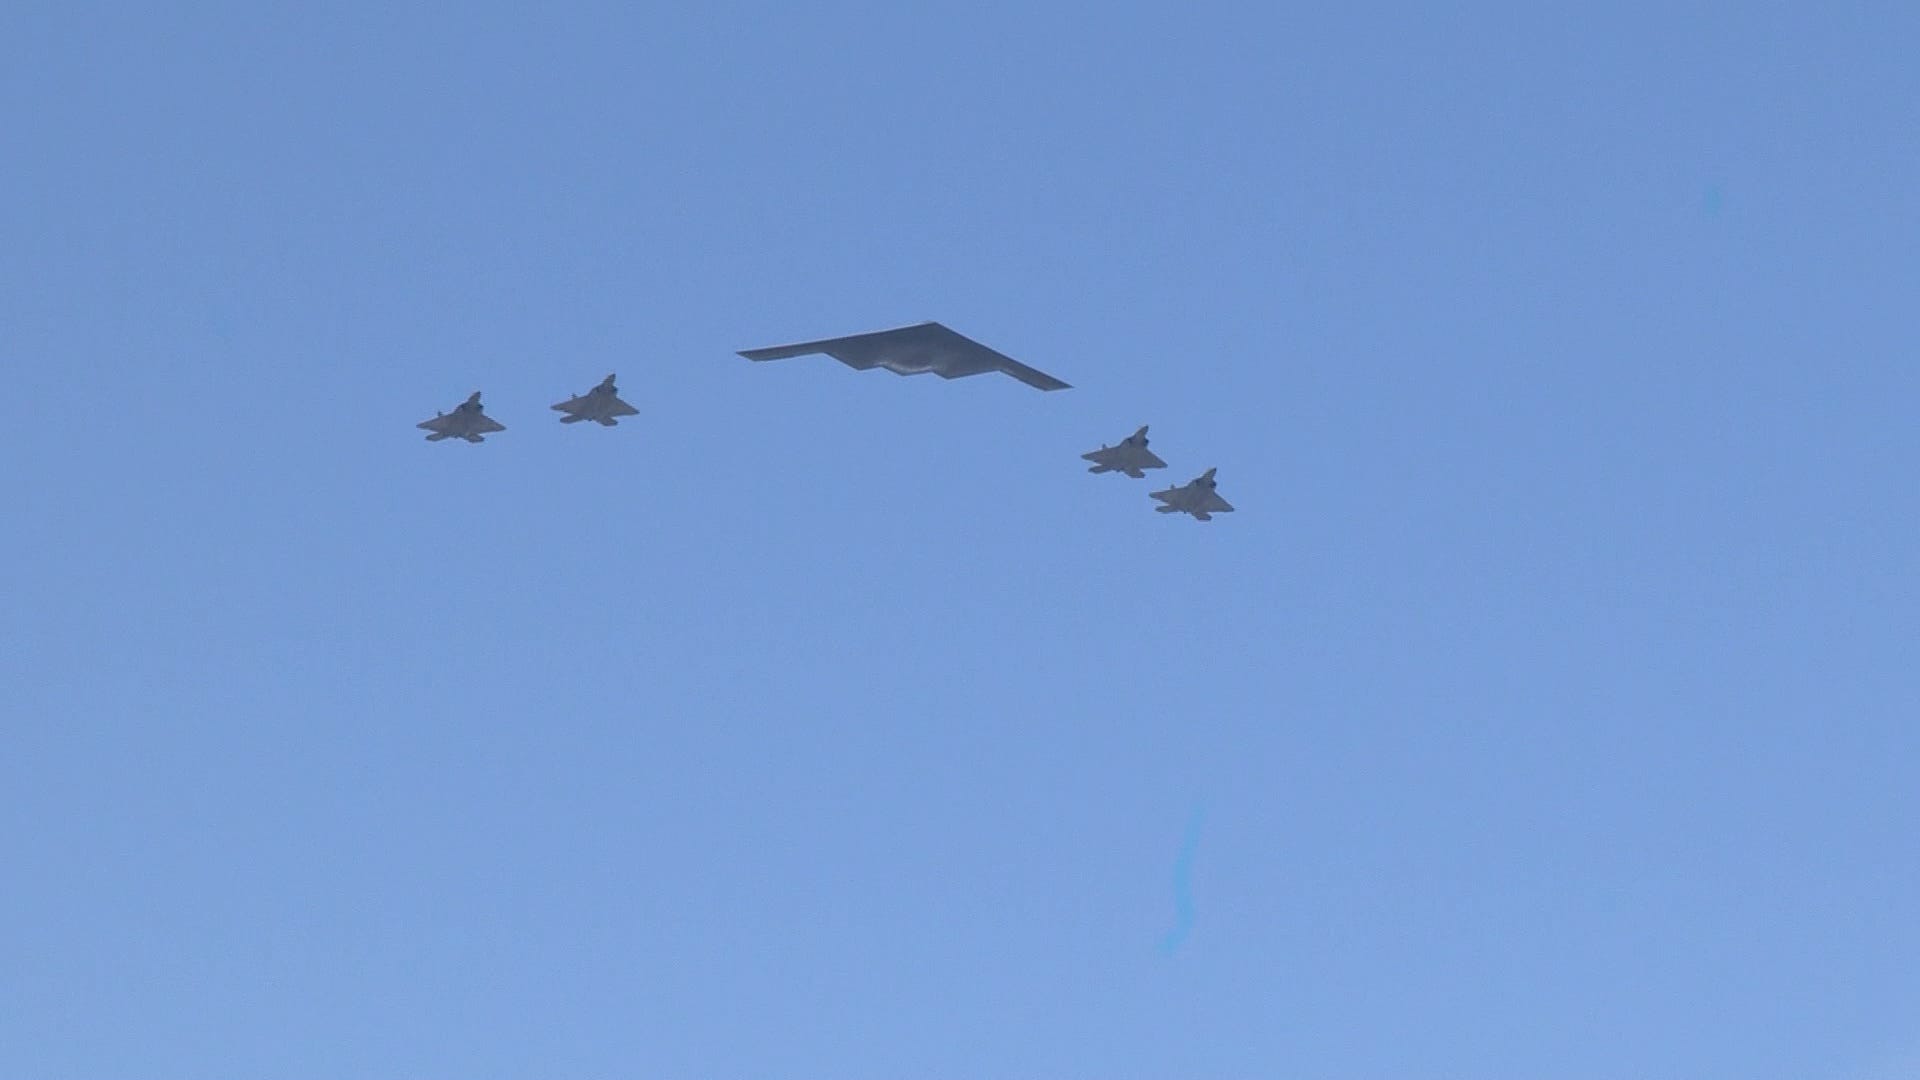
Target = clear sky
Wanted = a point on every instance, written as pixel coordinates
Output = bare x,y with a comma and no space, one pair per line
1547,709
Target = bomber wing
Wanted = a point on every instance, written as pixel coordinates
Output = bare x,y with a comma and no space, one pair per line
910,350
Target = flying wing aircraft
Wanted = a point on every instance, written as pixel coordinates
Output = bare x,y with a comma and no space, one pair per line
467,421
1196,497
601,404
1129,457
910,350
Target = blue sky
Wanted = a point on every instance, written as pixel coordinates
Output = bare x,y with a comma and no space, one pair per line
1551,697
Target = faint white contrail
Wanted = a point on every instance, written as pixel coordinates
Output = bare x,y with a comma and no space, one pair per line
1183,883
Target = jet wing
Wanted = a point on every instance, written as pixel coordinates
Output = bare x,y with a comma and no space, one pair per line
575,405
1214,504
910,350
440,424
621,408
1147,459
484,425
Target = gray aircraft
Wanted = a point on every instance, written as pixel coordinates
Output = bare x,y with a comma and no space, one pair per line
1196,497
910,350
1129,457
467,421
601,404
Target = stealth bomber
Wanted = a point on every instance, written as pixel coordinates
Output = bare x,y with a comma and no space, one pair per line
911,350
1196,497
467,421
1129,457
601,404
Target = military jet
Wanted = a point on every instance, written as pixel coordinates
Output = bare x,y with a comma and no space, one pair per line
910,350
467,421
1129,457
1196,497
601,404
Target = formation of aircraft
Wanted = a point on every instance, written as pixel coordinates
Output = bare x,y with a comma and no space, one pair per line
1196,497
904,350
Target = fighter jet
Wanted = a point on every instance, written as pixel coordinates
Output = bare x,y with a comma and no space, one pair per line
467,421
1197,498
600,404
910,350
1129,457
